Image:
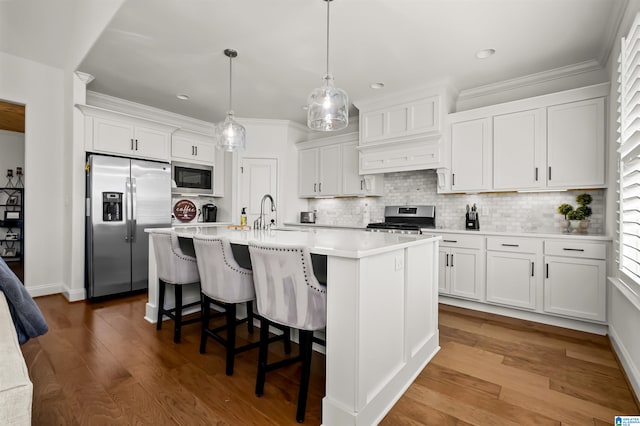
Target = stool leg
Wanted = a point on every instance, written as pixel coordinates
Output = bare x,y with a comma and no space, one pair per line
205,323
262,356
231,336
161,289
178,313
287,340
250,316
306,342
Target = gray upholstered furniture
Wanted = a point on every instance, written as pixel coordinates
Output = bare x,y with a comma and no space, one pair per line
16,389
288,293
224,282
178,269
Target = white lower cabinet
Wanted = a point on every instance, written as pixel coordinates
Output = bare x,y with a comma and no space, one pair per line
511,279
461,266
575,280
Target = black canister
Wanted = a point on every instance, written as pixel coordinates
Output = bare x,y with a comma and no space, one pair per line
209,212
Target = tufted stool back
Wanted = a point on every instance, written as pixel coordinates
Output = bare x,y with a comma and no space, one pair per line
287,290
174,266
221,278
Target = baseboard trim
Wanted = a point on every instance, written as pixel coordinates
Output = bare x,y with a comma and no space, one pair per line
44,289
588,327
628,367
74,295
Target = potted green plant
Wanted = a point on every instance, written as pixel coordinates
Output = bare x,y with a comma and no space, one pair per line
579,217
564,209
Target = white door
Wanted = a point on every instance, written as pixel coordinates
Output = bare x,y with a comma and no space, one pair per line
308,172
443,271
470,155
518,150
258,176
466,273
511,279
330,175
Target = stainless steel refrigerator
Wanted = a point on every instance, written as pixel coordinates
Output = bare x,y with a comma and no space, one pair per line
124,196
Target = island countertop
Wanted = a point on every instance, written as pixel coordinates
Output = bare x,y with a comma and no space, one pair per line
331,242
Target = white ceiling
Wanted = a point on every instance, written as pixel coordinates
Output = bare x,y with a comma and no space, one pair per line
154,49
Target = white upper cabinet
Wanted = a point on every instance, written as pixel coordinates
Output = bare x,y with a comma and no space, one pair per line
329,167
353,183
320,171
554,141
576,144
519,150
193,147
121,134
402,131
471,155
403,119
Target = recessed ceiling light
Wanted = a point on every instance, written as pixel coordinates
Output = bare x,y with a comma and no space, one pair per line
376,85
485,53
182,96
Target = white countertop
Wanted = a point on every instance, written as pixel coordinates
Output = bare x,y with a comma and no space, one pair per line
183,224
330,242
556,235
319,225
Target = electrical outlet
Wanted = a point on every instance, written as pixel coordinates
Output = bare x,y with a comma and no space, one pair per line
399,262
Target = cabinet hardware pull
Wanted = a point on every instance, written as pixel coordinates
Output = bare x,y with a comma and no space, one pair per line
449,241
196,151
511,245
532,268
136,144
320,187
452,260
572,249
536,174
453,179
447,259
131,144
547,270
549,172
361,181
314,187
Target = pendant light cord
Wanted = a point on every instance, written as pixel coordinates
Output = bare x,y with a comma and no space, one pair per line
230,82
328,3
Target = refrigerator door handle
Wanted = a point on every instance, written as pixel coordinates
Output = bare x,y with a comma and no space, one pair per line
125,208
134,208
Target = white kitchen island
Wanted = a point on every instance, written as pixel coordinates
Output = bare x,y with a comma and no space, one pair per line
382,312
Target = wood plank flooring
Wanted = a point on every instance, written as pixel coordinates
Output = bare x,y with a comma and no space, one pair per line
103,364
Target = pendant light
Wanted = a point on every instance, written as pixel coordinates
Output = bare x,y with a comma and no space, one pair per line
230,134
328,106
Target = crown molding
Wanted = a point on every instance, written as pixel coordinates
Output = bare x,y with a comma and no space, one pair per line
611,38
84,77
530,80
151,113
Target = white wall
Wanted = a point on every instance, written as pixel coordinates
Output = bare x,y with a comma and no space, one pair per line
624,301
40,88
273,139
12,150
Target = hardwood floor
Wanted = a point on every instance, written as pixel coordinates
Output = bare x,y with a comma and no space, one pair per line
102,363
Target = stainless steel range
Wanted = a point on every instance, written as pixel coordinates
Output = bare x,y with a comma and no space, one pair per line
405,219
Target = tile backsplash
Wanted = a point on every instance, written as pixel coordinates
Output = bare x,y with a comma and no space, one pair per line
502,212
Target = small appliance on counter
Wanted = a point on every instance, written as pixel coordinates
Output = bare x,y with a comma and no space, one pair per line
308,217
472,221
209,212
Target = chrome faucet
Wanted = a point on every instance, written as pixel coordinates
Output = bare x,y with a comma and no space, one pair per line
259,222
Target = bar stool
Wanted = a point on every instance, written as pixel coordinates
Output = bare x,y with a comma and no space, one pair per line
224,282
175,268
288,293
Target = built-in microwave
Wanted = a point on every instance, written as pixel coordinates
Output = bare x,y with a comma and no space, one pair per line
191,178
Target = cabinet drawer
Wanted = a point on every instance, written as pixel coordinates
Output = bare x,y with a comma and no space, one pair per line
462,241
513,244
575,249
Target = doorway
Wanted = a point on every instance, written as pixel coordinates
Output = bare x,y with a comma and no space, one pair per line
258,176
12,159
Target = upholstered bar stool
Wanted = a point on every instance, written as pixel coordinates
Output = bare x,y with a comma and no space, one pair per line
288,293
175,268
224,282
